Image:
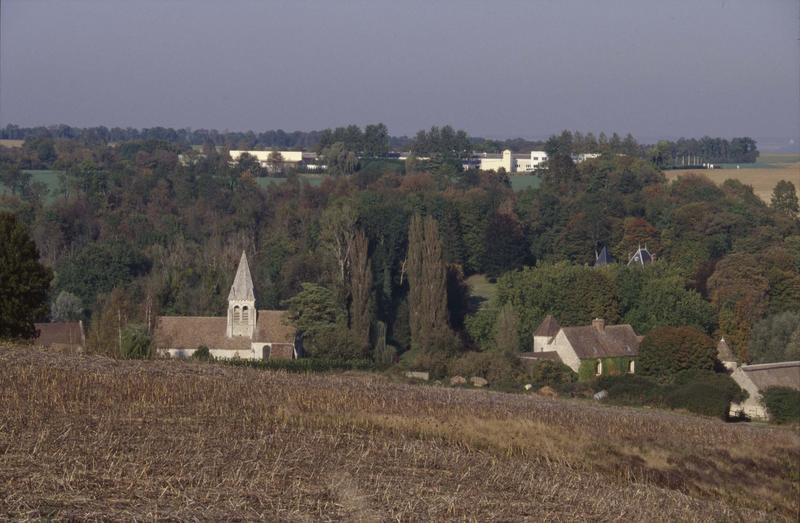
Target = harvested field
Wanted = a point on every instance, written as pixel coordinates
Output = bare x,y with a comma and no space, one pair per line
762,177
86,437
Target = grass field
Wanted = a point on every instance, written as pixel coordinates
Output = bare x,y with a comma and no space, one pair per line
762,176
85,437
481,288
525,181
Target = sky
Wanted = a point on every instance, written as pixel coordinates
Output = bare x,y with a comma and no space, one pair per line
497,68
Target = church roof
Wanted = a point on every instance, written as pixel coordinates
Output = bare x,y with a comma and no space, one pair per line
548,327
191,332
242,288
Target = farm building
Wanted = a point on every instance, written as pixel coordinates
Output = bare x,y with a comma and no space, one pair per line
522,163
60,335
245,332
757,378
590,350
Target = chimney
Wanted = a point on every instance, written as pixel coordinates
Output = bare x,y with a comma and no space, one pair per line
599,324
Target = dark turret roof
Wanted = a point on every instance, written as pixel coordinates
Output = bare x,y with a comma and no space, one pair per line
641,257
604,258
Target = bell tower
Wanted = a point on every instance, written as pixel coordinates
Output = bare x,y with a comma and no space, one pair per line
242,303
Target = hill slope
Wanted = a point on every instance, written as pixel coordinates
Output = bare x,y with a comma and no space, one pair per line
87,437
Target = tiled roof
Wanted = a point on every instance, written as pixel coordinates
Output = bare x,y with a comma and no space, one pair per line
242,288
191,332
59,333
610,341
548,327
781,374
642,256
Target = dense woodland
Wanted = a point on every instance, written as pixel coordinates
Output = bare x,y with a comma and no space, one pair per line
372,264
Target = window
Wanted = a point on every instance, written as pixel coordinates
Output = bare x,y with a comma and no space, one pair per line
236,314
245,315
598,368
631,367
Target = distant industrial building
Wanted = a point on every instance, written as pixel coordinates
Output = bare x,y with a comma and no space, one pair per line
287,158
523,163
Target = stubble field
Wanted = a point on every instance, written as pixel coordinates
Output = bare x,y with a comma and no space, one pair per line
86,437
762,176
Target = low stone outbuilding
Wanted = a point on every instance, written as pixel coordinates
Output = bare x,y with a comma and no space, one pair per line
755,379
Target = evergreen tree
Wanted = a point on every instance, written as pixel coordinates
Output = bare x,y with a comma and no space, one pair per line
24,282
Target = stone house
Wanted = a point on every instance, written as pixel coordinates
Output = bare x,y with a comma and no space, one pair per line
755,379
245,332
591,350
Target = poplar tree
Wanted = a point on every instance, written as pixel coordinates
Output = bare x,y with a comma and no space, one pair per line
360,288
427,284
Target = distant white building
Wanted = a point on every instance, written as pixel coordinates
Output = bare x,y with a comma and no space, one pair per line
523,163
289,158
513,163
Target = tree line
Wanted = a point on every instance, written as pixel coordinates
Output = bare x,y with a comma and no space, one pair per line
374,264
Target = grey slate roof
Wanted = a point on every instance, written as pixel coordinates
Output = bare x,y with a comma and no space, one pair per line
242,288
642,256
604,258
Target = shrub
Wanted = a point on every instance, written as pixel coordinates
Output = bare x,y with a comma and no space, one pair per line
666,351
783,404
701,392
135,342
551,374
202,354
434,362
704,393
630,389
501,370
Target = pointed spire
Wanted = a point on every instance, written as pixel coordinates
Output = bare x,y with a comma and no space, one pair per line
242,288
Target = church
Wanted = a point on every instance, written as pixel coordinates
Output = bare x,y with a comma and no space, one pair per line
245,332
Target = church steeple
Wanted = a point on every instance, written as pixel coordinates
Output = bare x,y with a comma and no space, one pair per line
242,302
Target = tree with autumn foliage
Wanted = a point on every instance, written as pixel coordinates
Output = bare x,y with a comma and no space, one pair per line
667,351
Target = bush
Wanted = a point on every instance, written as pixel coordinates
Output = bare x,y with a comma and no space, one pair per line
135,343
783,404
434,362
501,370
630,389
667,351
701,392
202,354
551,374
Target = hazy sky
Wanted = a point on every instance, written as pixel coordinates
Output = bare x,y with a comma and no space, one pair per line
495,68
